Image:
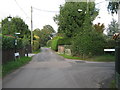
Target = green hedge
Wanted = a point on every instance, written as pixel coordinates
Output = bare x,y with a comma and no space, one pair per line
54,44
36,45
88,44
49,43
110,44
8,42
65,41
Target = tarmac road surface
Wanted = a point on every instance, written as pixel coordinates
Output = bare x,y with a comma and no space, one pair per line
49,70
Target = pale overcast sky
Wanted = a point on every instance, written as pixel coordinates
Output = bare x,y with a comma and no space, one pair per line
22,8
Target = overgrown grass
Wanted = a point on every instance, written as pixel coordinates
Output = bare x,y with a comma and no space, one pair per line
103,58
12,65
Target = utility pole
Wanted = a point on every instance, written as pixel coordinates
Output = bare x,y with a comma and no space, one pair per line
31,29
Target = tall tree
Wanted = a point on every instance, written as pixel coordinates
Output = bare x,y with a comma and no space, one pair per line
113,28
70,20
44,34
16,25
113,7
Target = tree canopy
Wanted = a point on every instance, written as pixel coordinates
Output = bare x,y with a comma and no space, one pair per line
113,28
70,20
16,25
44,34
113,7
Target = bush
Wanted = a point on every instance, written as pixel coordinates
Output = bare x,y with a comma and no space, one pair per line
49,43
110,44
88,44
54,44
64,41
36,45
8,42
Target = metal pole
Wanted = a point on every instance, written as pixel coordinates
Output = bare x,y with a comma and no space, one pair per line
31,29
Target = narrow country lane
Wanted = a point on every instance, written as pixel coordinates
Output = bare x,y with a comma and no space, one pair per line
49,70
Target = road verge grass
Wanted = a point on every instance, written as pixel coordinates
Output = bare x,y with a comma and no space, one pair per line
102,58
70,57
12,65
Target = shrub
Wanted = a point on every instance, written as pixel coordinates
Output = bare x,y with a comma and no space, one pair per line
65,41
36,45
54,44
88,44
25,41
49,43
110,44
8,42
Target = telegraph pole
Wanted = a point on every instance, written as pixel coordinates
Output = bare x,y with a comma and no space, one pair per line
31,29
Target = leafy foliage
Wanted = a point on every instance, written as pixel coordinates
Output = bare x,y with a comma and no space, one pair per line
16,25
110,43
49,43
44,34
88,44
70,19
36,45
113,28
99,27
113,7
65,41
54,44
8,42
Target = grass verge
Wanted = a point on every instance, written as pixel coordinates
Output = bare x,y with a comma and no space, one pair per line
70,57
12,65
103,58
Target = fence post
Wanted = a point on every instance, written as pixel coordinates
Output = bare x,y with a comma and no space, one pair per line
117,65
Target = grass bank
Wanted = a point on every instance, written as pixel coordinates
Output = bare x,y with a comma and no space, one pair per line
70,57
12,65
102,58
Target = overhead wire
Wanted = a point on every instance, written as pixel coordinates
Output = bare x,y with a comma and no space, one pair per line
21,9
45,10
